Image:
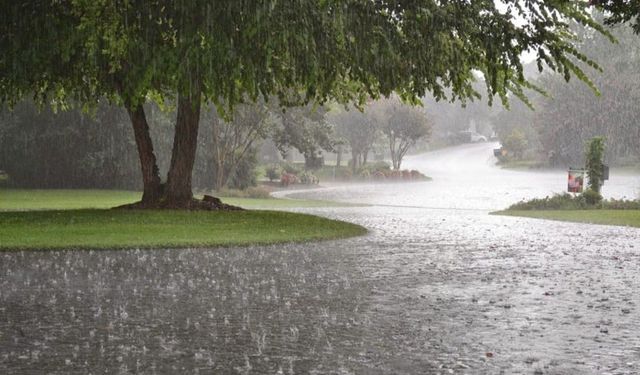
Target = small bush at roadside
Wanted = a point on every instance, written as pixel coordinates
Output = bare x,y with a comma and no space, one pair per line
587,200
273,173
290,168
592,197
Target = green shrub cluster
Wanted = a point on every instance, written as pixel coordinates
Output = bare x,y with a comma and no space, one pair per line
588,200
378,171
273,172
377,166
290,168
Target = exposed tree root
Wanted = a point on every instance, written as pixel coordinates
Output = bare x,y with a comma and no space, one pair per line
208,203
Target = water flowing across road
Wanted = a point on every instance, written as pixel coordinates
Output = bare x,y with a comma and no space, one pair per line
466,177
437,287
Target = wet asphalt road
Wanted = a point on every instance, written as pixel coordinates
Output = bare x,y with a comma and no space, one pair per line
438,286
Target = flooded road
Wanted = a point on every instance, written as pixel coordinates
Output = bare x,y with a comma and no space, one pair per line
466,177
437,287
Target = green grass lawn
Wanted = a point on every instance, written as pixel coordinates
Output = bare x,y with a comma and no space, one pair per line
80,219
25,199
521,164
608,217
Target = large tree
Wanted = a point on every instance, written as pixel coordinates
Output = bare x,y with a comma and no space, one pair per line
303,128
77,51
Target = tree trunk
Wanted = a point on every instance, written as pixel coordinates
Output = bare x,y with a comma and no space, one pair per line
339,156
219,153
393,152
152,191
178,192
221,179
355,158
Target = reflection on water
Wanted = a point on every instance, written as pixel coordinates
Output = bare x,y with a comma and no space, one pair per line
427,291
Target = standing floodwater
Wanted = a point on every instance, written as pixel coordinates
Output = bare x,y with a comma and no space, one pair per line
466,177
438,286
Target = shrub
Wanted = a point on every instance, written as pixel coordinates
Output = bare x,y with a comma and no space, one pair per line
562,201
290,168
396,175
272,173
307,178
245,173
621,204
592,197
379,176
345,174
594,162
587,200
364,174
313,162
288,179
379,166
515,144
416,175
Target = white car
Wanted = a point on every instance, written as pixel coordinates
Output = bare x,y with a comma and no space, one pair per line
473,136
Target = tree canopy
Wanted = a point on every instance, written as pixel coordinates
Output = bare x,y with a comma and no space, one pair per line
328,49
620,11
224,52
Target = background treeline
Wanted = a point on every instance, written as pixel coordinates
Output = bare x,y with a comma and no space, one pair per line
556,131
40,148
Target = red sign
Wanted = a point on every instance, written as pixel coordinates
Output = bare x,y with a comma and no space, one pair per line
576,180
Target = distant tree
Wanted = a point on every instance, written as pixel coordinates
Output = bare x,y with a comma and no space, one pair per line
518,116
235,141
359,129
620,11
68,149
406,125
450,118
304,128
515,144
272,172
573,114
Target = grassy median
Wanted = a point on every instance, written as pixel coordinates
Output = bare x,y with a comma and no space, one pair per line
67,199
78,219
629,218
